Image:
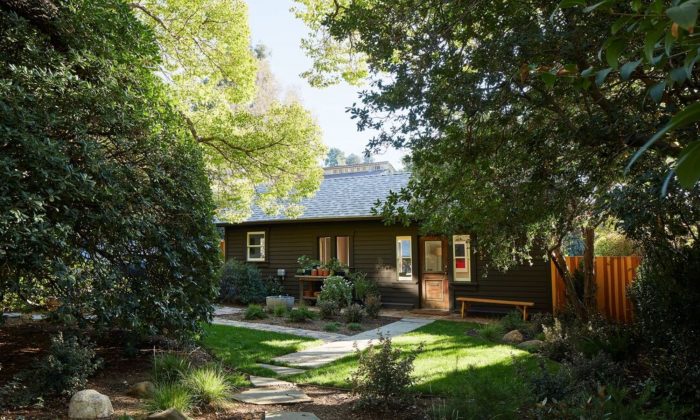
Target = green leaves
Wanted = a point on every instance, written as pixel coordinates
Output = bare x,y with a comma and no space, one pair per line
613,50
628,68
685,14
688,166
601,75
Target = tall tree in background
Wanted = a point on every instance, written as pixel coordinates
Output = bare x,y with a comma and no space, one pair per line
502,144
211,72
334,157
353,159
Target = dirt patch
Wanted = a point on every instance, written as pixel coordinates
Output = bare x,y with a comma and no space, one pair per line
317,324
21,346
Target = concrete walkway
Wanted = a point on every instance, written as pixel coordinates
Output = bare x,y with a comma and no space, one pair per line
318,335
321,355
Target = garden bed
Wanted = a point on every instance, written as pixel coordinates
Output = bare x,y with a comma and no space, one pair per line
317,324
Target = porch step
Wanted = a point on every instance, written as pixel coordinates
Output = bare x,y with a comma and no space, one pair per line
398,305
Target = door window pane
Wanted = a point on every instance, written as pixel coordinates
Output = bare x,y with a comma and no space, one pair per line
433,256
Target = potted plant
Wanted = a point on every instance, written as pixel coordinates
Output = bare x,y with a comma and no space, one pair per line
306,264
336,268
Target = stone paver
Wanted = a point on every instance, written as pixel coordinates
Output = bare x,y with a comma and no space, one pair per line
281,370
318,335
318,356
263,382
265,396
291,415
226,310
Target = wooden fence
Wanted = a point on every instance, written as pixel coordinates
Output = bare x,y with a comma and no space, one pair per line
613,275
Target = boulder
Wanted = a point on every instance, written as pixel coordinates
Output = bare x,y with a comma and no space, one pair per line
531,345
89,404
513,337
169,414
143,389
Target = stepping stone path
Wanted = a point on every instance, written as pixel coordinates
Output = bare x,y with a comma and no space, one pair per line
321,355
262,382
272,395
318,335
282,370
291,415
226,310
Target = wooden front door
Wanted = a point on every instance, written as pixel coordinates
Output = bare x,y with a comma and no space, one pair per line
435,289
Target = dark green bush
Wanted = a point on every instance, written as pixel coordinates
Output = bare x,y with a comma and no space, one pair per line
254,312
336,289
273,286
353,313
331,327
241,283
354,326
328,309
300,314
279,310
63,371
373,304
169,368
383,375
363,286
513,320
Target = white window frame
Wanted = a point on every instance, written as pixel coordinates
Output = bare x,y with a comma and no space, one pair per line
399,257
457,239
261,246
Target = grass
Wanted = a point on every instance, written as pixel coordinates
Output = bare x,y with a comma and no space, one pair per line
208,385
169,368
242,348
170,396
450,361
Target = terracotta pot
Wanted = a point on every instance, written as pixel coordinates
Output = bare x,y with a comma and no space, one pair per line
308,293
326,272
314,272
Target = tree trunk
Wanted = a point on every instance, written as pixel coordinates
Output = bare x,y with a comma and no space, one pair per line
572,298
589,298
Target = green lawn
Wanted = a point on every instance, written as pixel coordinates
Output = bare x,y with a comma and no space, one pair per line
243,348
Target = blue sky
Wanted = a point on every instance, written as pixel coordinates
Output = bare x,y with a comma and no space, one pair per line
272,24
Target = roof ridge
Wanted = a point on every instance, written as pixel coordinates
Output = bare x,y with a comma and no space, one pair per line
331,177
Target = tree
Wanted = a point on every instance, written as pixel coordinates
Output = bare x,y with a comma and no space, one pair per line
211,72
501,143
335,157
353,159
367,158
105,201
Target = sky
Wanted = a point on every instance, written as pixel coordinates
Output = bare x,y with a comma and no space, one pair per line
272,24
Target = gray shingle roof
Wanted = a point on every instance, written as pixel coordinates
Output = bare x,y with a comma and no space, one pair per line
343,197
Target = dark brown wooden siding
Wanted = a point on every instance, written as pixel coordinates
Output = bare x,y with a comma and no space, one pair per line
374,252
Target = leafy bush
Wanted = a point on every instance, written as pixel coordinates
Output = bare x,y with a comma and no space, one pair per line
169,368
328,309
273,286
556,344
383,375
300,314
513,320
336,289
63,371
353,313
331,327
254,312
364,286
279,310
241,283
492,332
354,326
538,321
373,304
208,385
168,396
547,382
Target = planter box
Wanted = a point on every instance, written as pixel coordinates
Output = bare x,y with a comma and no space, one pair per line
272,301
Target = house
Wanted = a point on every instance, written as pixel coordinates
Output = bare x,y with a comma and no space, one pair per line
413,270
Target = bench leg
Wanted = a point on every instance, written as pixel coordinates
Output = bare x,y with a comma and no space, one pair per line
523,309
463,309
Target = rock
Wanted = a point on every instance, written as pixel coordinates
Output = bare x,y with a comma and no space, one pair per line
143,389
513,337
169,414
90,404
531,345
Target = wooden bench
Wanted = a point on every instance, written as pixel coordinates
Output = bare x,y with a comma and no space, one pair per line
521,306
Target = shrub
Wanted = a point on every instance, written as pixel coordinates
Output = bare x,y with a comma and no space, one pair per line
331,327
556,345
364,287
63,371
171,396
336,289
354,326
300,314
208,385
492,332
279,310
537,323
241,283
383,375
353,313
169,368
373,304
255,312
273,286
328,309
513,320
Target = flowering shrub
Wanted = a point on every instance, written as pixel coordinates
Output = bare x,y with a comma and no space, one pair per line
336,289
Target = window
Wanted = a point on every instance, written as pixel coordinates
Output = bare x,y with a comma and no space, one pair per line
461,263
404,259
433,257
255,245
342,249
324,249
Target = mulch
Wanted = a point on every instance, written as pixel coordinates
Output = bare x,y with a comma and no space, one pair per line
22,345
